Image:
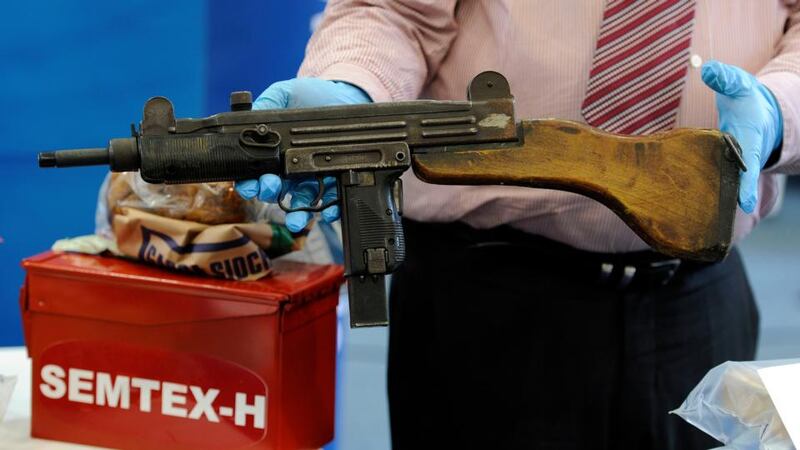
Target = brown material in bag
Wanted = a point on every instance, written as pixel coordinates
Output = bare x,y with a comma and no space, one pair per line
197,228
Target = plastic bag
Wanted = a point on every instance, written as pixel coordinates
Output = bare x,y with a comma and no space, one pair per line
208,203
203,228
6,389
732,405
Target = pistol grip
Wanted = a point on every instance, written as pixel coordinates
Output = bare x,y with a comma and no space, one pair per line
372,234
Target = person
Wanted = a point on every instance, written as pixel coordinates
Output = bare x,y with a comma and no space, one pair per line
531,318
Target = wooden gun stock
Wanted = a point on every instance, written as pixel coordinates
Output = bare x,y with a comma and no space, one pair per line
676,190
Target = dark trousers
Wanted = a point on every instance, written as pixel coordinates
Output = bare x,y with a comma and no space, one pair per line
495,345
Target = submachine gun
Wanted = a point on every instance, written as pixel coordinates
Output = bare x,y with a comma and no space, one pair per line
676,190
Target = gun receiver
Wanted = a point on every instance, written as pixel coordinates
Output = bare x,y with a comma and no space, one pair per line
676,190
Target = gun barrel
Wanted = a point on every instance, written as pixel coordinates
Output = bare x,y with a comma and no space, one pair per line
76,157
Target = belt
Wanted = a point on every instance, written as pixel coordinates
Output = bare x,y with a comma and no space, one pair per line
620,271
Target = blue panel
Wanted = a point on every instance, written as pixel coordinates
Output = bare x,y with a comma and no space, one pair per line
253,43
76,73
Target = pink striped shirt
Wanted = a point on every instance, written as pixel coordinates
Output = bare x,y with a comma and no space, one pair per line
405,49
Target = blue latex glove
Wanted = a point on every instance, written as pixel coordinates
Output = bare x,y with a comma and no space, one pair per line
748,111
301,93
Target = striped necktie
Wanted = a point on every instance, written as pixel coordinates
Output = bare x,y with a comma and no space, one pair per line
639,66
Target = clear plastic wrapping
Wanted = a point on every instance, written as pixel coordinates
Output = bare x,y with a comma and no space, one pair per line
204,228
6,389
208,203
732,405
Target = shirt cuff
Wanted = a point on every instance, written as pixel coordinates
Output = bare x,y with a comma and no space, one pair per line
785,86
358,76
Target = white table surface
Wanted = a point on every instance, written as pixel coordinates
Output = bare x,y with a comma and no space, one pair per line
15,428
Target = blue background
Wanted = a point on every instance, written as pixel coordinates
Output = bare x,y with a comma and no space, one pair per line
77,73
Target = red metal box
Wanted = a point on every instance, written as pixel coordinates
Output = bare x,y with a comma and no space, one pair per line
131,356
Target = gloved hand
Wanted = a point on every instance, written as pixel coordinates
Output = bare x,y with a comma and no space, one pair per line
300,93
748,111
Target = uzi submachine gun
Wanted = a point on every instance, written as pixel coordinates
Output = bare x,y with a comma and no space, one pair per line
676,190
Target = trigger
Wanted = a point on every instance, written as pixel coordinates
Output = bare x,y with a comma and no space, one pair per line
397,196
317,203
281,195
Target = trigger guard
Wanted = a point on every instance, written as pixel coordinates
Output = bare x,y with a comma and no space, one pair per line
315,206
